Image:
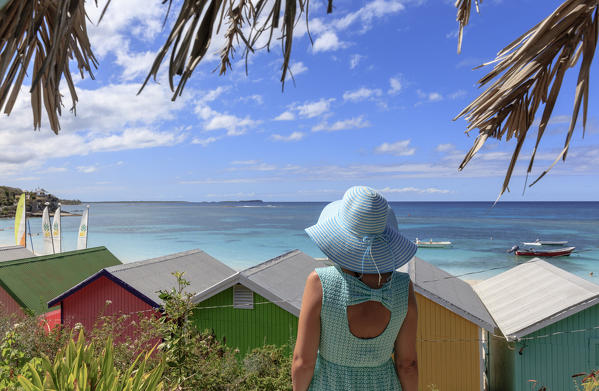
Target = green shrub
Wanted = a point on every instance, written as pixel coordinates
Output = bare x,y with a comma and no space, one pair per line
77,367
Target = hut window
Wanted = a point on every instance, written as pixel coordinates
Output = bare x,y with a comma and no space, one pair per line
243,298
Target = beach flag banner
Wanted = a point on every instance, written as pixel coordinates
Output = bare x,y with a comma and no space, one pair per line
82,237
20,220
56,233
47,232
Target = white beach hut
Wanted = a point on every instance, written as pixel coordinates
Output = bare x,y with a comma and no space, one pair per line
549,326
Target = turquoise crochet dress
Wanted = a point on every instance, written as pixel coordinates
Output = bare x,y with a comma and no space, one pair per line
346,362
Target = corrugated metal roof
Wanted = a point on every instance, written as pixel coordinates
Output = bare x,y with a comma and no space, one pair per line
34,281
448,291
280,280
534,295
10,253
151,275
285,276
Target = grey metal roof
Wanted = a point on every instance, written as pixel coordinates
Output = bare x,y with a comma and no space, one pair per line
448,291
285,276
280,280
534,295
152,275
10,253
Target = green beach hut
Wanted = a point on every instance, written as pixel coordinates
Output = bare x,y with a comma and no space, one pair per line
28,284
547,320
259,305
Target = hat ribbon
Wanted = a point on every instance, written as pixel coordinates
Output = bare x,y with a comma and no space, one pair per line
369,240
361,293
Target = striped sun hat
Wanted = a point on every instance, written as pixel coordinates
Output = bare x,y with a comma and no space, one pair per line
359,233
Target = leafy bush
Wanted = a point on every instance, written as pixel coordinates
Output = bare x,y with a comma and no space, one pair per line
32,358
77,367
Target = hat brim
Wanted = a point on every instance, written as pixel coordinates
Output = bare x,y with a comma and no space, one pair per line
388,251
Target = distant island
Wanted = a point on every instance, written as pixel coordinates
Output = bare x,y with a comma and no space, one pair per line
35,201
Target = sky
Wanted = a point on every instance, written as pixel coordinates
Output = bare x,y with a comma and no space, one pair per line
372,103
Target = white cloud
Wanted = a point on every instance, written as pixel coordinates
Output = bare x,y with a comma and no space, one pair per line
429,96
428,190
395,86
235,126
366,15
399,148
314,109
285,116
445,147
136,139
124,23
452,34
252,165
298,68
109,118
204,141
352,123
295,136
214,120
355,60
256,98
456,95
361,94
87,169
435,97
328,42
211,95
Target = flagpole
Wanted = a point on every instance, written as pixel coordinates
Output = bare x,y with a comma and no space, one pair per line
87,226
60,228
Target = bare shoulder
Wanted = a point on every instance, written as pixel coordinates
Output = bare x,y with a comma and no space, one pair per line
313,290
313,281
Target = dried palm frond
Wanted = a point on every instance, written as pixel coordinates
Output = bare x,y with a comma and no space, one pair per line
463,17
529,73
247,21
51,33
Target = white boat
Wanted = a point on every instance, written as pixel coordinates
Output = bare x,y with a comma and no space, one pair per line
431,244
545,243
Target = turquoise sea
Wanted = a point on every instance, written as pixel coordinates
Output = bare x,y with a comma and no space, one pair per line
242,234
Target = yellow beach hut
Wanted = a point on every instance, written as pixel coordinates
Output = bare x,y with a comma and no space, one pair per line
451,323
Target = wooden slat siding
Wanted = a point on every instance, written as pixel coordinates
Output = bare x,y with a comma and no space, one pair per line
553,360
246,329
9,305
447,365
86,305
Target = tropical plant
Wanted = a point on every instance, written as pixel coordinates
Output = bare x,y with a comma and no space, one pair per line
51,33
589,381
528,73
77,367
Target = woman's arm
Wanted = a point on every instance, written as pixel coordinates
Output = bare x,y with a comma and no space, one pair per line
406,361
308,335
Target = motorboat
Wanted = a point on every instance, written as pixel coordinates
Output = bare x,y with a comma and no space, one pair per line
531,252
431,244
539,242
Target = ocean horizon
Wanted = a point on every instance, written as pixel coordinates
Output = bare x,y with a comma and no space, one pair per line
244,233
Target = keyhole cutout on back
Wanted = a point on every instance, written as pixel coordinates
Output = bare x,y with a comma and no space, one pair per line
367,320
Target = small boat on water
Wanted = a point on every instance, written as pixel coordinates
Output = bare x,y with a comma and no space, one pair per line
431,244
530,252
539,242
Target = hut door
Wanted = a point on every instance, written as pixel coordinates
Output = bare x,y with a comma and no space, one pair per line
593,354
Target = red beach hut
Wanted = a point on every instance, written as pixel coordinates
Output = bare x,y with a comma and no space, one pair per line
132,288
27,284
